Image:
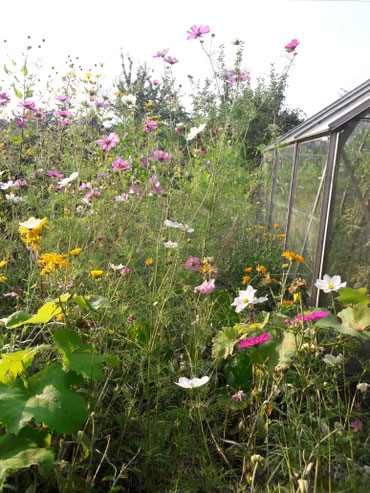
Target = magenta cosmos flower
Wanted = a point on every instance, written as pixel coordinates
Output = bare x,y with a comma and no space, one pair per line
193,263
161,54
161,156
65,113
290,47
27,105
171,60
206,287
108,141
197,32
254,341
121,164
313,316
4,99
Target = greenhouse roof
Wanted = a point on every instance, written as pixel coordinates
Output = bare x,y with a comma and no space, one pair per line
333,116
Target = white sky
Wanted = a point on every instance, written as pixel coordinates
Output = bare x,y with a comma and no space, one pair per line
333,53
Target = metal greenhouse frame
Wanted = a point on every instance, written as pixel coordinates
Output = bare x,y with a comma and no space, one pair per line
321,146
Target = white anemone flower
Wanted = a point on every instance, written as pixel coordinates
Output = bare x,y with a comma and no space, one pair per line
31,223
194,131
328,284
362,386
67,181
116,267
333,360
171,244
246,298
192,383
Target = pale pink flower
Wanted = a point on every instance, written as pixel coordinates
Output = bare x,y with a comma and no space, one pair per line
108,141
121,164
149,126
239,396
161,156
85,185
156,188
206,287
65,122
161,54
54,173
100,104
20,183
290,47
125,271
155,82
171,60
356,425
238,77
63,113
193,263
11,294
63,97
144,161
197,32
254,341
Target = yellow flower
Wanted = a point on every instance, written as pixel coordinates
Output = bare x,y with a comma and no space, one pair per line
88,76
2,263
280,236
261,269
31,231
205,268
53,262
296,297
60,316
245,279
96,273
261,227
76,251
149,261
2,278
285,266
248,270
248,229
293,256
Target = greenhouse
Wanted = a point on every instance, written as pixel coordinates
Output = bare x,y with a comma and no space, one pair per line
316,187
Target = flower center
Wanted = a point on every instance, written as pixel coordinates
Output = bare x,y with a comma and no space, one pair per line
331,286
245,300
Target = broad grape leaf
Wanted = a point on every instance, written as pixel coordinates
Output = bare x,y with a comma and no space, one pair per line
81,357
224,341
17,318
349,296
354,322
12,364
91,302
30,447
46,312
47,398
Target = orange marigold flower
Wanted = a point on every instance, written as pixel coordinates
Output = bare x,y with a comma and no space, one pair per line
285,302
293,256
265,235
261,227
280,236
248,229
248,270
261,269
276,226
149,261
245,279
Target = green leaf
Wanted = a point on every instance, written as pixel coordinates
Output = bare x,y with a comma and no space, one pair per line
16,92
17,318
46,312
81,357
275,354
24,70
349,296
12,364
91,302
241,370
286,350
354,322
47,399
6,69
224,341
31,447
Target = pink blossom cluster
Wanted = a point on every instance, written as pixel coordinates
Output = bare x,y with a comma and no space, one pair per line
4,99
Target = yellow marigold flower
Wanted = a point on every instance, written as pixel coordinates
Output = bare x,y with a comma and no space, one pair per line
280,236
276,226
261,227
248,229
76,251
2,263
245,279
248,270
96,273
3,278
148,104
53,262
293,256
149,261
205,268
261,269
296,297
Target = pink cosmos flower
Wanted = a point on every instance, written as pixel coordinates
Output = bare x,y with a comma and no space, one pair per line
155,82
11,293
197,32
65,122
100,104
54,173
85,185
63,113
161,54
20,123
290,47
314,316
238,77
20,183
161,156
4,99
28,105
125,271
356,425
39,114
171,60
206,287
239,396
149,126
91,193
193,263
121,164
108,141
58,187
254,341
156,188
63,97
144,161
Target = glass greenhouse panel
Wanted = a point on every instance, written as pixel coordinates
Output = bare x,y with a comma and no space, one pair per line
305,215
266,184
280,187
347,245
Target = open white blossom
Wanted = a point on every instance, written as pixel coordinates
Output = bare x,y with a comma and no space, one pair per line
362,386
31,223
67,181
328,284
13,198
333,360
8,184
247,297
192,383
171,244
173,224
116,267
194,131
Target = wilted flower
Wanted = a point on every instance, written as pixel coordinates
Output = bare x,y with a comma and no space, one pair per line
206,287
328,284
254,341
247,298
297,286
197,32
192,383
333,360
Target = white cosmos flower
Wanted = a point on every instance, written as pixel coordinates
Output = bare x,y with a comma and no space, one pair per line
328,284
128,99
171,244
247,297
8,184
116,267
194,131
173,224
31,223
67,181
362,386
192,383
13,198
333,360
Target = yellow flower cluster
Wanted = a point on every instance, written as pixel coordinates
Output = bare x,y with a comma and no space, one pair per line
31,231
53,262
2,277
293,256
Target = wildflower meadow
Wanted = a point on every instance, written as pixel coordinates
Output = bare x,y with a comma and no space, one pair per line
154,335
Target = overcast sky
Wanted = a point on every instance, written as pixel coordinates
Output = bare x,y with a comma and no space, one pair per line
333,54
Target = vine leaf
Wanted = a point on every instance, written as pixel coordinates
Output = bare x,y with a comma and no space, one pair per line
47,398
12,364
